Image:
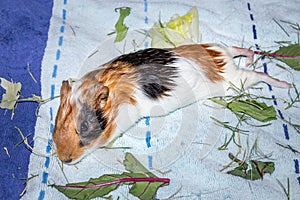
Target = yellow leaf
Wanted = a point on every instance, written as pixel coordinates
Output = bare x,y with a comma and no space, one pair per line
178,31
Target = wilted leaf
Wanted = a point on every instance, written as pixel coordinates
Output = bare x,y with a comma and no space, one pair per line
257,110
143,184
257,171
290,55
11,95
121,28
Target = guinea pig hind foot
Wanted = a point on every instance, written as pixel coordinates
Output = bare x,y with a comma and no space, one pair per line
272,81
237,51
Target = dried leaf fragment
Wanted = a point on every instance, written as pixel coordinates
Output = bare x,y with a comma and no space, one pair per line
11,95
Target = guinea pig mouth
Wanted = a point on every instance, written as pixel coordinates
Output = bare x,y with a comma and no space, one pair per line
86,151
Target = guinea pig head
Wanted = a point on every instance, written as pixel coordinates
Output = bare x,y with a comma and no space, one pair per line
80,120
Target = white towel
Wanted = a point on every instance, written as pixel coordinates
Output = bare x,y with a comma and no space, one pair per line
184,142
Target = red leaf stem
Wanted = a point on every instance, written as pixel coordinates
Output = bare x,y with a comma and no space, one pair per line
275,55
121,180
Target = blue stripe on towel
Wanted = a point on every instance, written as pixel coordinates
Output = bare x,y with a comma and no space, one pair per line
285,126
147,120
296,161
54,74
42,195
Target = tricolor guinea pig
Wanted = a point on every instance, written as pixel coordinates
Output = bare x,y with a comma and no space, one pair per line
106,102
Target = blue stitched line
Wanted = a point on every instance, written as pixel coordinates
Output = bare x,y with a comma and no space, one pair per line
51,128
45,177
60,41
52,91
47,162
285,127
146,20
62,29
51,114
148,139
274,100
286,132
54,73
42,195
145,6
254,30
57,54
147,120
296,161
64,16
280,114
150,161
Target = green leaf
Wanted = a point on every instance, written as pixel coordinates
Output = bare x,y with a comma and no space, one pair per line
257,170
134,166
219,101
257,110
143,184
95,187
290,55
11,95
121,28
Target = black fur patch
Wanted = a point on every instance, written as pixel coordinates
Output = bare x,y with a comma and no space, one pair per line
91,124
155,74
148,56
156,80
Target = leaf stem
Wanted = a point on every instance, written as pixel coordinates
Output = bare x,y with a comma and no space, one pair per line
121,180
275,55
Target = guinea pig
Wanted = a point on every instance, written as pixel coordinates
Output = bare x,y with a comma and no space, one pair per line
107,101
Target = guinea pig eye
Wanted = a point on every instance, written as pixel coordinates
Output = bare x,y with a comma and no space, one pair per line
84,126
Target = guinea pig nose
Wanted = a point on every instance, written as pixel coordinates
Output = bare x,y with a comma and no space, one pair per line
67,160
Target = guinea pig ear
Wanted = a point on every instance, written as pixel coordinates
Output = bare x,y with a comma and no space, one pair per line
65,90
102,96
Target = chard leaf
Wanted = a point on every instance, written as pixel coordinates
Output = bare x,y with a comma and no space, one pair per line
257,110
290,55
11,95
134,166
121,28
142,184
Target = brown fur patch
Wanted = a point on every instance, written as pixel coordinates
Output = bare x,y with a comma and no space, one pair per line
64,135
120,78
209,60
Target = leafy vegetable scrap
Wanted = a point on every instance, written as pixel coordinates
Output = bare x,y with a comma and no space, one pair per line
143,184
255,171
290,55
11,95
257,110
178,31
120,28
